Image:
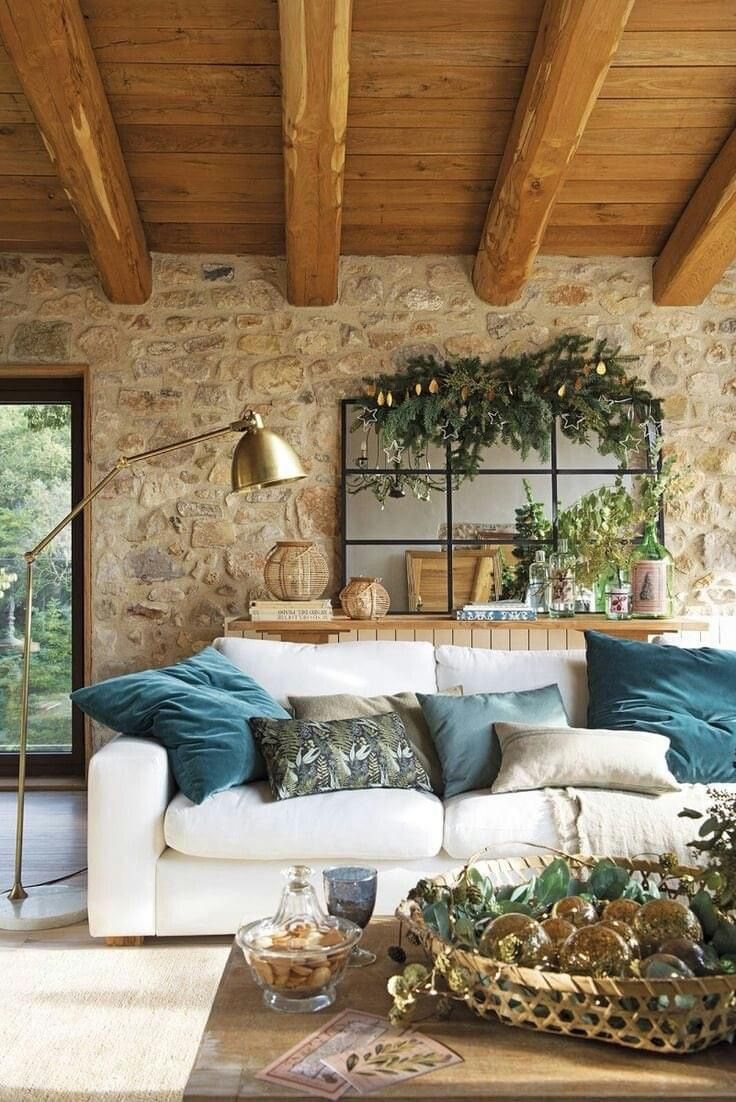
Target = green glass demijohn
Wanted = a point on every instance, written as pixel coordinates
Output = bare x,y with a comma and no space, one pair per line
651,577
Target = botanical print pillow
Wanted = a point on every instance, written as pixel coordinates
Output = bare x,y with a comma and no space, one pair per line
305,758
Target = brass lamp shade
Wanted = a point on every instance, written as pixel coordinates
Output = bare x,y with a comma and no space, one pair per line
263,458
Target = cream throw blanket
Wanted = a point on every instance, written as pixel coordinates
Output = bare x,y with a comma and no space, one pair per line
601,821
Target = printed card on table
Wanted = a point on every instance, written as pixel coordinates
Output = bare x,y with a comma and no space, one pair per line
304,1067
391,1059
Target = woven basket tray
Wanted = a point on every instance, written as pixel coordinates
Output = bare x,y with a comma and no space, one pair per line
666,1016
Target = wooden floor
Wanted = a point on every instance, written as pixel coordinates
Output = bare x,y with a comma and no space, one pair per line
55,836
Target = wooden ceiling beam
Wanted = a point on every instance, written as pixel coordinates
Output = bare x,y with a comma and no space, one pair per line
703,242
50,51
572,52
315,46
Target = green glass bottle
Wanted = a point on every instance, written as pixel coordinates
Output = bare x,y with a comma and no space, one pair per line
651,577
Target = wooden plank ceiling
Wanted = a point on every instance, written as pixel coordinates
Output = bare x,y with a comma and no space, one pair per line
194,88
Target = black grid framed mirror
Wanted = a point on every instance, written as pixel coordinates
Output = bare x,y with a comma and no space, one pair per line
400,518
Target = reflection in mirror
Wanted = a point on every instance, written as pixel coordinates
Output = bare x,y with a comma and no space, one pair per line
389,563
503,457
405,518
484,508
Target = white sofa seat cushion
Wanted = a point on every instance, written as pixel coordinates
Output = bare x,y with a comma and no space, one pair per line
306,669
504,823
247,823
498,671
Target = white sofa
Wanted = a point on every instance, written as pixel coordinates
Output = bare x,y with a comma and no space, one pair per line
160,865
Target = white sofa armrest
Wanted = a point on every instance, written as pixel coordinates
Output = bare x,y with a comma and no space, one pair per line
130,786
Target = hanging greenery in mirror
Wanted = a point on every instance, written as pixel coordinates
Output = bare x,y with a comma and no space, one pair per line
472,404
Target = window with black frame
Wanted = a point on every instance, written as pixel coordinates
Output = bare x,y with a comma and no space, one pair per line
435,538
41,443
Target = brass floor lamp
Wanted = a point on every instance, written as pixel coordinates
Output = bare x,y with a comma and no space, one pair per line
261,458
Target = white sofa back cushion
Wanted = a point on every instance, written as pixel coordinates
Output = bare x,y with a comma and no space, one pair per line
499,671
305,669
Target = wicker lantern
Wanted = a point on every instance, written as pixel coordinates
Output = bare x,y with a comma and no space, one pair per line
365,599
295,570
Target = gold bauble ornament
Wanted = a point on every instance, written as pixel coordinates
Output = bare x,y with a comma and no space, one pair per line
380,400
558,930
389,399
575,909
662,919
624,930
417,389
433,387
600,368
595,951
561,391
515,939
621,910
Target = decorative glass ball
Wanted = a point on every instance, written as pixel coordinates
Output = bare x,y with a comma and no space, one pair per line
662,966
621,910
515,939
575,909
689,952
558,930
662,919
626,932
595,951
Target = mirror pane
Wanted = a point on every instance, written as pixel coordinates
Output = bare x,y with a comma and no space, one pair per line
571,487
397,518
587,456
484,508
365,449
391,565
504,457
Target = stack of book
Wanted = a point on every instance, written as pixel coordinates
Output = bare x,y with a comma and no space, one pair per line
291,611
496,610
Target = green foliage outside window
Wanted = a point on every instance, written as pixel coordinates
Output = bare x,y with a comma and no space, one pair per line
34,495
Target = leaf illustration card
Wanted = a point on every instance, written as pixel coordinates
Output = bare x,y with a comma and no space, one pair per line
304,1067
391,1059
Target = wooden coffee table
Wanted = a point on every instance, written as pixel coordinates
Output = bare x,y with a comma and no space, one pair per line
500,1062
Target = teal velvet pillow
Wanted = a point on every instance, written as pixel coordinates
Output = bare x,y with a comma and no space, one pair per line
689,695
306,757
199,709
462,730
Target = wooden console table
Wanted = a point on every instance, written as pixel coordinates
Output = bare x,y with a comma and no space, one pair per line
541,634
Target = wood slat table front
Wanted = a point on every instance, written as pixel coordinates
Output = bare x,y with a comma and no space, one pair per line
500,1062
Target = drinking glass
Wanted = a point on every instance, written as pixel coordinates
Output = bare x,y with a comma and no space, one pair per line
350,892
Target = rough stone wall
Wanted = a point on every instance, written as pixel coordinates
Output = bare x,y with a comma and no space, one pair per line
173,553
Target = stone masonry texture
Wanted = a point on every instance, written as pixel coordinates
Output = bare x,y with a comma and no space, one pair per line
173,553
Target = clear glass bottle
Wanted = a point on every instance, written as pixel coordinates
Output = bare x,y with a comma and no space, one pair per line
536,592
561,582
651,577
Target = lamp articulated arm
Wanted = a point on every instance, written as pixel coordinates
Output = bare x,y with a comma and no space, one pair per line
248,422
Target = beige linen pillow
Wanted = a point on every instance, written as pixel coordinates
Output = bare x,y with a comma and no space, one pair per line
577,757
323,709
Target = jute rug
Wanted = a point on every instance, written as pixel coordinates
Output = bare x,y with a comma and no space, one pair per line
83,1023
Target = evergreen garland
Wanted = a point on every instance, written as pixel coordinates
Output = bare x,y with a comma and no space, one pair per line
473,404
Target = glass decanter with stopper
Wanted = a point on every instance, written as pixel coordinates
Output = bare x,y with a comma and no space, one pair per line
300,955
651,577
536,592
561,582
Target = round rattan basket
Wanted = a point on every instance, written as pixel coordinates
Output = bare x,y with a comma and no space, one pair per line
295,570
672,1017
365,599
